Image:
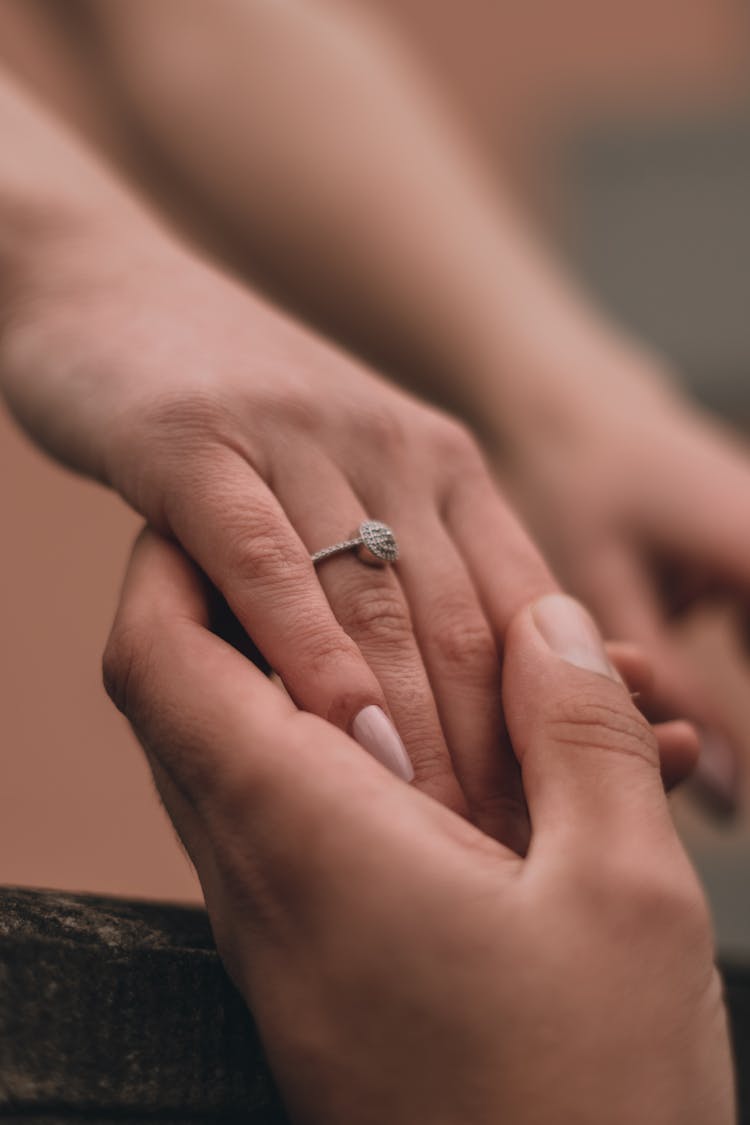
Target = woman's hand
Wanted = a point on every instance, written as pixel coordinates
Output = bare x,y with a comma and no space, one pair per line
253,443
639,501
401,965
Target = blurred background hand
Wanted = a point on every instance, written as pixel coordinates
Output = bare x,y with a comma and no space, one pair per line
638,499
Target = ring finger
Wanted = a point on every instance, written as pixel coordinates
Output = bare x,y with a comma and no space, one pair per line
369,603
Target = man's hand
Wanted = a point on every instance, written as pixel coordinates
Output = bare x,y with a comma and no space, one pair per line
402,965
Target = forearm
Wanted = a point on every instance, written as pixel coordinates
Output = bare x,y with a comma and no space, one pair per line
50,186
343,183
62,219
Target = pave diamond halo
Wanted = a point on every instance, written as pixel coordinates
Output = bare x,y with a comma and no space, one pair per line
374,543
377,540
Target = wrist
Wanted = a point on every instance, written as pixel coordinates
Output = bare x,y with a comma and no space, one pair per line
539,358
48,243
562,386
53,190
59,322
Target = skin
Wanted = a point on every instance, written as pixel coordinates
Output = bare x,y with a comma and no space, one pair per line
467,984
480,318
133,361
254,443
629,487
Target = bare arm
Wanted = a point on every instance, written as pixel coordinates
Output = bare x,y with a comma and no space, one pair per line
337,176
254,444
339,179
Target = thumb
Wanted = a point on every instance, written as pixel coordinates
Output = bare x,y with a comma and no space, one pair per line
589,759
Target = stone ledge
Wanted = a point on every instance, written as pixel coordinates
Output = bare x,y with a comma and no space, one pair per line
113,1010
119,1013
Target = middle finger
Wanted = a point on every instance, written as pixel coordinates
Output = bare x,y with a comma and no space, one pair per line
463,665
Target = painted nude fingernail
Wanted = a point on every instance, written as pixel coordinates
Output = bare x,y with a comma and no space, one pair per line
570,631
376,734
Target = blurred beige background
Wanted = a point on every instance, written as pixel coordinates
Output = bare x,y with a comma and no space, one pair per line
76,806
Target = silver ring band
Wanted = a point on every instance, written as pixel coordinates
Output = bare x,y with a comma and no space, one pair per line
374,543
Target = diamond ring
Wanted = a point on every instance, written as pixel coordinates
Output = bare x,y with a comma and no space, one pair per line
374,543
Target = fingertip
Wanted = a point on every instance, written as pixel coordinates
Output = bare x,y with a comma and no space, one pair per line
679,750
376,734
633,664
570,632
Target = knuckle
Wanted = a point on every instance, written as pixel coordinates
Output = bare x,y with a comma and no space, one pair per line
327,652
283,401
125,667
258,547
464,642
589,722
182,444
189,418
259,554
383,428
456,446
380,615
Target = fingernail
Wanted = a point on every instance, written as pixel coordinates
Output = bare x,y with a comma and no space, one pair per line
376,734
570,631
716,775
